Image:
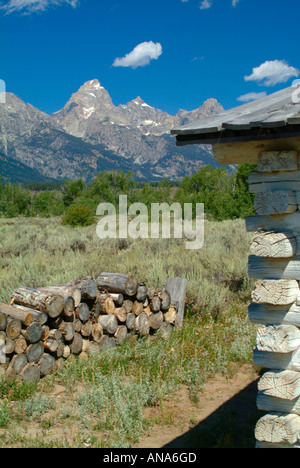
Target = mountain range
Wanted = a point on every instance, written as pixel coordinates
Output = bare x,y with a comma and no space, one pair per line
90,134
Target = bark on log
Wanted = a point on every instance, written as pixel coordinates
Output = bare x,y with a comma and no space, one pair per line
25,317
34,298
117,283
280,292
63,290
85,285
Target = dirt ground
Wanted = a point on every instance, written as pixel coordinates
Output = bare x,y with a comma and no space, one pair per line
231,398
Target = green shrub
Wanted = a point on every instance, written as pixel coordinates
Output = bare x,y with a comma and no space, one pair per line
78,215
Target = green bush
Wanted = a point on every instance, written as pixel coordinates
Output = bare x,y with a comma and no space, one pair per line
78,215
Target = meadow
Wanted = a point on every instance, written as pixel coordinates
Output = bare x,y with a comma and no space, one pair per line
105,398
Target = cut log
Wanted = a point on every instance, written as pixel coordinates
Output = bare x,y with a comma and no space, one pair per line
278,338
97,332
130,321
121,314
171,315
109,323
20,345
142,324
76,344
31,373
275,202
141,293
85,285
35,352
281,384
65,291
280,223
46,363
137,308
121,334
51,345
177,290
269,404
277,361
67,330
165,330
117,283
278,428
77,325
9,346
86,329
66,352
107,342
25,317
280,292
127,305
34,332
82,312
274,268
13,328
18,363
156,320
34,298
273,314
3,321
155,304
274,244
165,298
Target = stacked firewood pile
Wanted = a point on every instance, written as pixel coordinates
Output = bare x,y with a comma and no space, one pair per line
41,326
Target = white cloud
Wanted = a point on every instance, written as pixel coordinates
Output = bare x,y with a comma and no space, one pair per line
140,56
31,6
252,97
205,4
272,73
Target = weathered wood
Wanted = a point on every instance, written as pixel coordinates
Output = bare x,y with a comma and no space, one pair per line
109,323
117,283
270,161
277,361
107,342
51,345
104,305
86,329
66,352
274,268
86,285
270,404
277,292
121,334
177,290
165,330
264,182
3,321
20,345
142,324
278,338
156,320
9,346
275,202
82,312
278,428
34,298
34,352
155,304
165,298
273,314
281,384
274,244
34,332
18,363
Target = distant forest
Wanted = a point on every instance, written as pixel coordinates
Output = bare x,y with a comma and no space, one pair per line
225,195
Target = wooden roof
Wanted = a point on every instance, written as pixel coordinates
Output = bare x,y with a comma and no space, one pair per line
272,117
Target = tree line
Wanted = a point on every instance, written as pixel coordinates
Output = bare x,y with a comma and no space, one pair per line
225,195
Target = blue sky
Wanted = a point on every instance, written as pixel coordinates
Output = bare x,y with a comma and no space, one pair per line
175,54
